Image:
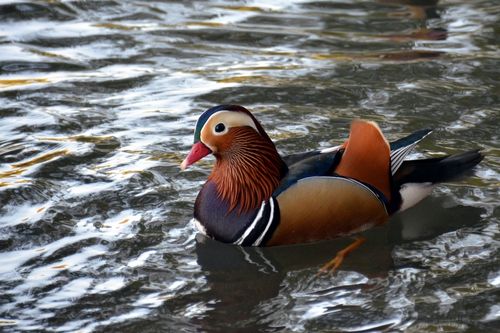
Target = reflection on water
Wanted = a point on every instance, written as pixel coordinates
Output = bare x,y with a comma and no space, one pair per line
97,105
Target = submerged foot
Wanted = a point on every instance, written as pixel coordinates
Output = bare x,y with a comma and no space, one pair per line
332,265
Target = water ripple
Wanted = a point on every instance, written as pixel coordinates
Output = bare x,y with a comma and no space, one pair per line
97,105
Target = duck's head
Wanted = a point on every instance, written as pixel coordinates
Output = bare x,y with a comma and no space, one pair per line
221,130
248,167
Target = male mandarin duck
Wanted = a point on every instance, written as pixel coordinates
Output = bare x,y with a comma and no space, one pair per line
255,197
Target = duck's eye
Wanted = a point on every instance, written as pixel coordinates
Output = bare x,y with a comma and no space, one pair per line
220,127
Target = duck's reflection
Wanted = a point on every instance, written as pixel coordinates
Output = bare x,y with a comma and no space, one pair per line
419,13
421,10
417,9
240,280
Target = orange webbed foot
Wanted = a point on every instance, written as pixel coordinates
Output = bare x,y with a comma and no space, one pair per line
332,265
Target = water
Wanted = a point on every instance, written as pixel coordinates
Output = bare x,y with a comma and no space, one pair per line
98,100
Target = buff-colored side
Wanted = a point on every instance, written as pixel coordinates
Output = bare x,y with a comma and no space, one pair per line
321,208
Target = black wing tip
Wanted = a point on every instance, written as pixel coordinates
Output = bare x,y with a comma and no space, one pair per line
470,157
439,169
457,166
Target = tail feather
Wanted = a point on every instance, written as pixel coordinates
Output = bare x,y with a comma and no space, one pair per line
436,170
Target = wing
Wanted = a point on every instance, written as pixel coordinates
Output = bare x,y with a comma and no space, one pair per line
313,165
402,147
297,158
339,191
399,150
367,157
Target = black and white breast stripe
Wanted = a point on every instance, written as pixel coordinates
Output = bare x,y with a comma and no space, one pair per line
262,227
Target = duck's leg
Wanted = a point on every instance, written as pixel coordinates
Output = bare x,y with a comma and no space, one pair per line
333,264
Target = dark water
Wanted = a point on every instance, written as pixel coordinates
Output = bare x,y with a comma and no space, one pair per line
97,105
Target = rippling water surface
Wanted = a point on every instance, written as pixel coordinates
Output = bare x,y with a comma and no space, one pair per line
98,100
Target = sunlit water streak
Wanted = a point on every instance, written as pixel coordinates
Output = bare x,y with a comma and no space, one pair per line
97,105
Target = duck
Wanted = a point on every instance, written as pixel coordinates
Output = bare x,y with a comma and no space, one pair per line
254,196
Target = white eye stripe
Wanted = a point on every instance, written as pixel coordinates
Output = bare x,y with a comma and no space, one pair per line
232,119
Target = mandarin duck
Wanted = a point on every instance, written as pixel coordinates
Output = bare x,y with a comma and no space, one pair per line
256,197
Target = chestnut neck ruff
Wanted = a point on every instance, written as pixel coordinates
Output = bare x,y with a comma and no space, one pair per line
248,170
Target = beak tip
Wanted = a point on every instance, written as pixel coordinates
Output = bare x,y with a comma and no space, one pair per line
197,152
